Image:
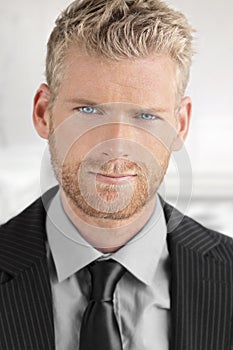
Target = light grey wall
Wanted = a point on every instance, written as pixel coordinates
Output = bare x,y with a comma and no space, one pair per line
24,29
211,84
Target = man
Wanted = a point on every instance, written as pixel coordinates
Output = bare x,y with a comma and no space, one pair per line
102,262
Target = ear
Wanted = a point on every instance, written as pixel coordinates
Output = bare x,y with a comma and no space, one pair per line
183,123
40,111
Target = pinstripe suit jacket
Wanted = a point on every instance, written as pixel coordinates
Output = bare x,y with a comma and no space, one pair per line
201,283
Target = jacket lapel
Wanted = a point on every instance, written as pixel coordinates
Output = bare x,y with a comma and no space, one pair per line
201,285
26,315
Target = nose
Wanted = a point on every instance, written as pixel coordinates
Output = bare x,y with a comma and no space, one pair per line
118,141
117,149
118,130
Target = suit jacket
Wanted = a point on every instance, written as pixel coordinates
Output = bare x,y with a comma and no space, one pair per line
201,283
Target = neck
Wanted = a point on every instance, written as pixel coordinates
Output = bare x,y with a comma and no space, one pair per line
107,235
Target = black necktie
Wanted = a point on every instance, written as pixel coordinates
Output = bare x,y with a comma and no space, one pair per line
99,328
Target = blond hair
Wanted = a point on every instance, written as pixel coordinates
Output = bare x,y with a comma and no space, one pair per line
120,29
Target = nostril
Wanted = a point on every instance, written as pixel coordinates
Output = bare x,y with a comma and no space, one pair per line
116,154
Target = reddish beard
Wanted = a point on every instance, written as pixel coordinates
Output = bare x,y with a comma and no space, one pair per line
102,203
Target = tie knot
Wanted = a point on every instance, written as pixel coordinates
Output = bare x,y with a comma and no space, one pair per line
105,275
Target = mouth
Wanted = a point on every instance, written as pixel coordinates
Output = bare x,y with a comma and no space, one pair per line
114,178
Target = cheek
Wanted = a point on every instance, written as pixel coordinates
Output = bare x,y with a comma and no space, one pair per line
74,139
156,146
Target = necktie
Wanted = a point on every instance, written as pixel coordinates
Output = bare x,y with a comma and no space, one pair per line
99,327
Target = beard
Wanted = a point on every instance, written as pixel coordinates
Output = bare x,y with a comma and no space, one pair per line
103,200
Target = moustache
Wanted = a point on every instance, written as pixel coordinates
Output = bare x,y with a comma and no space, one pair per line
114,166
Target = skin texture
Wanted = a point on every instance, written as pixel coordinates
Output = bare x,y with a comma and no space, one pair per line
111,131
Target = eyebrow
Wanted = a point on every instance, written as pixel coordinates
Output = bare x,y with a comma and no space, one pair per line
150,110
145,109
82,101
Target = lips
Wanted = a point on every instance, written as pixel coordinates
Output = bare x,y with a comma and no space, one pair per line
114,178
116,175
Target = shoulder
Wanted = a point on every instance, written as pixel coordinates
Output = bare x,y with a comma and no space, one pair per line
26,221
189,233
22,239
29,220
195,226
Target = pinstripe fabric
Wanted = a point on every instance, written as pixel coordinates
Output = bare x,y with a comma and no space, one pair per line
26,320
201,285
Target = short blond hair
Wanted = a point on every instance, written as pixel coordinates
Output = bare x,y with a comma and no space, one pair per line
120,29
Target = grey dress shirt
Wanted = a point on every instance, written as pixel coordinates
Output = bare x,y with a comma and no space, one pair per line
141,298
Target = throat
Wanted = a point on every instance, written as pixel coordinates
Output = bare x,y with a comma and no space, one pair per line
104,234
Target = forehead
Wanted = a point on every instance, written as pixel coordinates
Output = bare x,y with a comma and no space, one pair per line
139,81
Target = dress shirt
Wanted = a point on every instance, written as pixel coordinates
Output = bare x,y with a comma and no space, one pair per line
141,298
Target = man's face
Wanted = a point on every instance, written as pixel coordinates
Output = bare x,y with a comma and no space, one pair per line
112,128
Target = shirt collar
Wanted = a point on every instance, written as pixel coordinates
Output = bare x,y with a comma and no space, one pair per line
71,252
142,253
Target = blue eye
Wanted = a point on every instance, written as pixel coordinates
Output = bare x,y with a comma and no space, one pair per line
146,116
87,110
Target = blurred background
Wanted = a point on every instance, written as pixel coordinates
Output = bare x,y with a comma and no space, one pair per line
207,195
